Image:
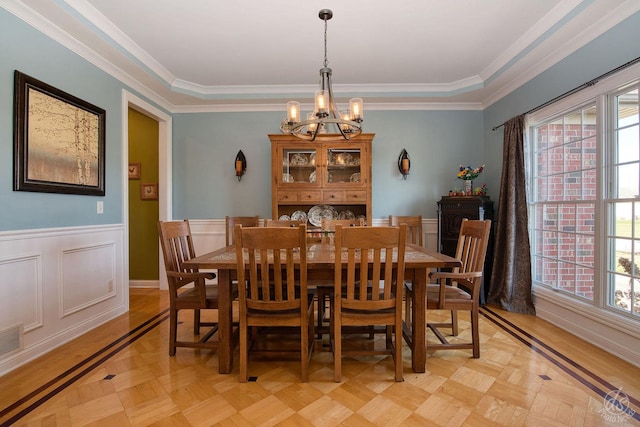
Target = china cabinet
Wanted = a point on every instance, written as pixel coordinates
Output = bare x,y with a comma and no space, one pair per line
451,210
329,177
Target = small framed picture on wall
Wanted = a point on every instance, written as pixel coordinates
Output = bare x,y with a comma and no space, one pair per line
134,170
149,191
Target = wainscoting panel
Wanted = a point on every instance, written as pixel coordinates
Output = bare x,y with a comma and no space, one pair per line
88,277
24,291
59,284
208,235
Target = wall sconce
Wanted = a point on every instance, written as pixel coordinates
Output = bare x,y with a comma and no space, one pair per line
404,164
241,164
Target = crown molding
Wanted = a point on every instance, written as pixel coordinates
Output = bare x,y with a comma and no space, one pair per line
379,106
505,74
529,71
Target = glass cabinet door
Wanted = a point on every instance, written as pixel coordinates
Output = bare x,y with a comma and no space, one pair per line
344,165
299,165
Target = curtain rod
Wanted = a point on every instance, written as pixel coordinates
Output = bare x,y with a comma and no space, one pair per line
579,88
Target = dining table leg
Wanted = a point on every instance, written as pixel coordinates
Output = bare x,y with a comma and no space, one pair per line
225,323
419,321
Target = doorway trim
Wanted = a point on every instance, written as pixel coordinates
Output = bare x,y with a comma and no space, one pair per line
165,190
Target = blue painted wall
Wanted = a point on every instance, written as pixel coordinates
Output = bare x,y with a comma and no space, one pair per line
29,51
205,146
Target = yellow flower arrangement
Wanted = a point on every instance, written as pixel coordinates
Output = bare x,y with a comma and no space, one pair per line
467,172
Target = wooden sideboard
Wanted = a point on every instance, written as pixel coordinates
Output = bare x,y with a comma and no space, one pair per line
328,171
451,210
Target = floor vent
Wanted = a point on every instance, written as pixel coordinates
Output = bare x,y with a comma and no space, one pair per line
10,339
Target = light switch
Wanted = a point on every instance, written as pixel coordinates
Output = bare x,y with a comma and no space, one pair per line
100,207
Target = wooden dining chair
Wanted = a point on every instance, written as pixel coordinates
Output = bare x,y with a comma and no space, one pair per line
177,246
231,221
372,255
460,289
415,236
325,288
284,222
273,288
414,227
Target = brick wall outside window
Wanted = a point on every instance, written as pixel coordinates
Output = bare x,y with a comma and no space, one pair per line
564,212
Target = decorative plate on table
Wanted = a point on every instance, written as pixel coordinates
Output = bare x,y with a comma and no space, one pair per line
299,216
316,213
284,217
287,178
346,214
355,177
298,159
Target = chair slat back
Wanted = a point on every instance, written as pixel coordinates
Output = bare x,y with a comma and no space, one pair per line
414,227
245,221
177,247
472,246
294,223
330,224
369,254
267,276
177,244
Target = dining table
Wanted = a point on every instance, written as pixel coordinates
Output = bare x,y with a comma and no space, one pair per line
320,267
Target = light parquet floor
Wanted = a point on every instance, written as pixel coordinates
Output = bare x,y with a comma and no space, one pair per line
530,374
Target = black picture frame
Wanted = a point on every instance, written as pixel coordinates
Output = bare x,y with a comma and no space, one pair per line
59,140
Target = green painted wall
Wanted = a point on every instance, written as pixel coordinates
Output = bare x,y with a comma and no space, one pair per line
143,214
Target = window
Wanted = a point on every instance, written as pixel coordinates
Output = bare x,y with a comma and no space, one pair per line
623,204
564,195
585,225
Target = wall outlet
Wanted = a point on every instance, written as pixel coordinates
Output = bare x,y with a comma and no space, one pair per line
100,207
110,286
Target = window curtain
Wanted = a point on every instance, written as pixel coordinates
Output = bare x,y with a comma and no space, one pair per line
511,277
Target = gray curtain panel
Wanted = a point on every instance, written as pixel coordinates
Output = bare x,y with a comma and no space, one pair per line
511,278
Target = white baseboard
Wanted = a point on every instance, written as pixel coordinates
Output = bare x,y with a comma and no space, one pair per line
146,284
608,330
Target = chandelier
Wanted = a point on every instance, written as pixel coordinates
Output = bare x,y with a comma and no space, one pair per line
326,114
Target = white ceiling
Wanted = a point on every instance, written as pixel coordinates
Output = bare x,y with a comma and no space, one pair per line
194,55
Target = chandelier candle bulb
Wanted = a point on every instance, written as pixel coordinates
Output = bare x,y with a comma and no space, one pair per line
293,109
355,107
345,116
311,127
321,102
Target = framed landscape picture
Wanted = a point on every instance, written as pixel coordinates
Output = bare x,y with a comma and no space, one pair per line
59,140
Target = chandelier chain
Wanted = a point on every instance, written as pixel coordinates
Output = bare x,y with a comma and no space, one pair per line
326,61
